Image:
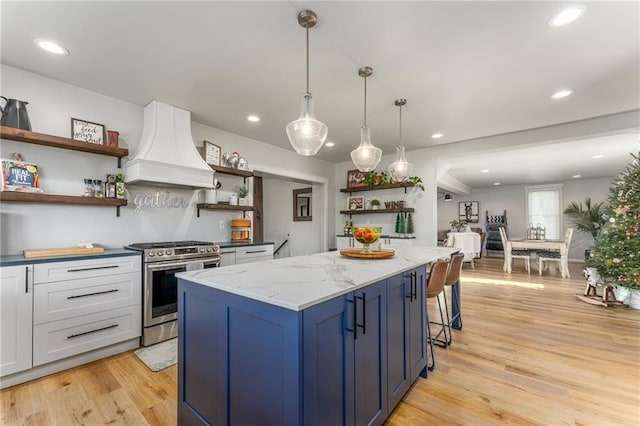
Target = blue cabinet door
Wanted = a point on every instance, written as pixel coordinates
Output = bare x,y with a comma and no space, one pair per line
417,329
370,355
328,345
398,304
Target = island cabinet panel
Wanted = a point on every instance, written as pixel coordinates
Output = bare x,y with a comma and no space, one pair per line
239,360
406,316
345,359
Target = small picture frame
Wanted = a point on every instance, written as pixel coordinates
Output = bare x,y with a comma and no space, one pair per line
468,211
87,131
212,153
355,203
355,178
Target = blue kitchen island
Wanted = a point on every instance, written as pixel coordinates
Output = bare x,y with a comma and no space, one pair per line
310,340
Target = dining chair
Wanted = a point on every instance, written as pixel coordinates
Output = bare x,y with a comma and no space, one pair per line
435,285
557,256
453,276
516,254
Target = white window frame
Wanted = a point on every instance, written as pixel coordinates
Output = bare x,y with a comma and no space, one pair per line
549,187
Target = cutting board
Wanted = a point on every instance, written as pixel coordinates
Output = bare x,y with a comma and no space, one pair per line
61,251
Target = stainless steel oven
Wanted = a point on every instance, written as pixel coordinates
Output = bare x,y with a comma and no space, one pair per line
161,261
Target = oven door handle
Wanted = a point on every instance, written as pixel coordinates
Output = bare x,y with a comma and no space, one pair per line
162,265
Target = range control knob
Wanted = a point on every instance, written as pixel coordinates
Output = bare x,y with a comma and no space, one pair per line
202,250
151,254
160,252
169,252
209,250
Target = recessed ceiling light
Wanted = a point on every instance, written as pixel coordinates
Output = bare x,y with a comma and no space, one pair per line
597,156
576,176
567,16
562,94
496,183
330,144
484,171
436,136
50,46
253,118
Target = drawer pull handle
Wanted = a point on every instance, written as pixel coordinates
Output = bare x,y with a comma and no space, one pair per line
92,331
93,269
256,251
92,294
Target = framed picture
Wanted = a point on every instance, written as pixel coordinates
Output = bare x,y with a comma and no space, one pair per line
211,153
86,131
355,178
355,203
468,211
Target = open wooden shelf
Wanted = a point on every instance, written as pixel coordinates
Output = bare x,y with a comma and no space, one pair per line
232,171
377,187
402,210
30,197
205,206
60,142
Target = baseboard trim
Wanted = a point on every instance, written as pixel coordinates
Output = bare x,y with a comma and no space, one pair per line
64,364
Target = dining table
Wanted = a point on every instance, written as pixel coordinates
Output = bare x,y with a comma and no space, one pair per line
547,244
469,243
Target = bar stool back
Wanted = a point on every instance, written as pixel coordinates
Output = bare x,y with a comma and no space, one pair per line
435,285
453,276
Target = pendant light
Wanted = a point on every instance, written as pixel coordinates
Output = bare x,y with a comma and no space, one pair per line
400,169
306,134
366,156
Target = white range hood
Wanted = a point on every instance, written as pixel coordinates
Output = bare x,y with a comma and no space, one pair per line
166,155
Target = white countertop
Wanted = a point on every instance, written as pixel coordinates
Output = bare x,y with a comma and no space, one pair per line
299,282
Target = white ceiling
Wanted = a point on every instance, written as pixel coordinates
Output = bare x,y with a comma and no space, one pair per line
467,69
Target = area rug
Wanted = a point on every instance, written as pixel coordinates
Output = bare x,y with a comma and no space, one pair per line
159,356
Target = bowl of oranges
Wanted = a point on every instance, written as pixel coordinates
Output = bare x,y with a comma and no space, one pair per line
367,235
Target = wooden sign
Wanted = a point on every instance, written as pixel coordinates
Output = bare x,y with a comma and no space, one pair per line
86,131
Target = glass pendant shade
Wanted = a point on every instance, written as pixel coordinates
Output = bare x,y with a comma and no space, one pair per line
400,169
366,156
306,134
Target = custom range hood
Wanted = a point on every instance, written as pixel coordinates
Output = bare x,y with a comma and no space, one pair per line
166,155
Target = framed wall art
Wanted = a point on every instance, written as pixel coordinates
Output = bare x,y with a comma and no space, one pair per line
86,131
355,179
355,203
468,211
211,153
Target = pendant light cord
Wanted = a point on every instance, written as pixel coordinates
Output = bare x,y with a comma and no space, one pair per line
365,102
400,125
307,27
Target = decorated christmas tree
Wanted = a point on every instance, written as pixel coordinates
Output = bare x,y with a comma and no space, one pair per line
410,224
616,255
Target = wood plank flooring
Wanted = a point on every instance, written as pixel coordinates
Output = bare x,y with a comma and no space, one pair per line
529,353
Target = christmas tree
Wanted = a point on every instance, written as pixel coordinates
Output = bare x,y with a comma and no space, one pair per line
410,224
616,255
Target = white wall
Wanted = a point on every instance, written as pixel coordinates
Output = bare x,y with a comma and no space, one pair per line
51,106
512,199
304,237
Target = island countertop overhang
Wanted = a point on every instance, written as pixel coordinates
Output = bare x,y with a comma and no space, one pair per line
297,283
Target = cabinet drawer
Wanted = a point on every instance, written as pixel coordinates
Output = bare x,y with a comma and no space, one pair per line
74,269
61,339
67,299
254,251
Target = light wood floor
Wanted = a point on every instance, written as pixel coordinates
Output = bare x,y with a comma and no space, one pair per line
529,353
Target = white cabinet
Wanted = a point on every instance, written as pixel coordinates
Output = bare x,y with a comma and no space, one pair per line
16,307
402,242
84,305
255,253
227,256
347,242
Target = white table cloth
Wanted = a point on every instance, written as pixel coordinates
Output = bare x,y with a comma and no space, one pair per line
468,242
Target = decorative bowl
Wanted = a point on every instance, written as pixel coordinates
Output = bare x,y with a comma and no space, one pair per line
367,235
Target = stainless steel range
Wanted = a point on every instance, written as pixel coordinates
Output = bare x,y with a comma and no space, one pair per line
161,261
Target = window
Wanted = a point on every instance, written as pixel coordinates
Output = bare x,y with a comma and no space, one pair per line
543,207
